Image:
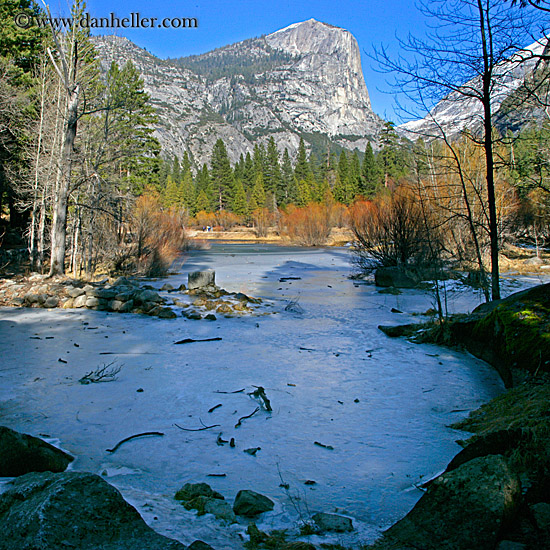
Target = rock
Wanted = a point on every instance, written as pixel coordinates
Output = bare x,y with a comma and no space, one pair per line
31,299
225,309
210,317
80,301
67,304
127,307
461,510
166,287
199,545
182,287
394,276
298,545
115,305
144,296
75,292
221,509
73,510
194,315
18,301
92,301
166,313
249,503
22,453
192,490
106,293
541,513
123,281
333,522
51,302
201,279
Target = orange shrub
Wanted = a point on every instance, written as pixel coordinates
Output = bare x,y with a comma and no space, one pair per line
309,225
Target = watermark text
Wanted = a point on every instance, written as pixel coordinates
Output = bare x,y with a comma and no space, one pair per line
132,21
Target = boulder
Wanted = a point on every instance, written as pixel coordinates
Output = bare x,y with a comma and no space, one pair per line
145,296
201,279
75,292
193,490
80,301
51,302
73,510
166,287
461,510
166,313
332,522
249,503
394,276
221,509
22,453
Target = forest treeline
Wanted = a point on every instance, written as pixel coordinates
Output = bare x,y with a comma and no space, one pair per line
84,184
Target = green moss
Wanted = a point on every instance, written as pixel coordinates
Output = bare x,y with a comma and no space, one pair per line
520,332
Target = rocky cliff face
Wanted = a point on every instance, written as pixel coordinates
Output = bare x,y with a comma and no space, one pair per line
458,112
304,80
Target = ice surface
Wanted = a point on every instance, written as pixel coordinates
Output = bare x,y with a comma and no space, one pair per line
382,404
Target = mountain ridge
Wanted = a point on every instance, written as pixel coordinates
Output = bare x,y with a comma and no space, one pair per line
311,86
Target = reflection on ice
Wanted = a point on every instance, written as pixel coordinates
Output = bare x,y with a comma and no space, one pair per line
331,376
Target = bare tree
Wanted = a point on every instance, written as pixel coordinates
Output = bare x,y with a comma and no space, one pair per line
474,45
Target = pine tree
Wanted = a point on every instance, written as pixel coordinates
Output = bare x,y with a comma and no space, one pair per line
259,160
170,195
222,175
185,163
203,185
272,180
240,205
176,169
301,169
370,175
188,191
248,172
258,195
287,192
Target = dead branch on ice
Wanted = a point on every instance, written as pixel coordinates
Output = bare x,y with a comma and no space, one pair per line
130,438
101,374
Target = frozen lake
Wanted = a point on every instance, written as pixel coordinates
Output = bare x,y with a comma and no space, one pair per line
382,404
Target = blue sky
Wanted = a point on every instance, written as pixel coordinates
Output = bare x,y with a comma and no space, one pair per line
223,22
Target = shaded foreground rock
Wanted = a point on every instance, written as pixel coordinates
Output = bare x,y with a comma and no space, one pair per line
250,504
461,510
22,453
50,511
332,522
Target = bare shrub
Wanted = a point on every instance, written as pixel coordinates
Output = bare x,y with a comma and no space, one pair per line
393,230
262,219
159,235
227,220
309,225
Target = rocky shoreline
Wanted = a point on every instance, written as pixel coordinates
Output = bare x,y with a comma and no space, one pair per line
202,300
495,492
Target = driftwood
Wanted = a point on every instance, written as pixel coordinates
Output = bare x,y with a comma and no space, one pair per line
229,392
247,416
220,441
197,429
101,374
191,340
284,279
329,447
130,438
214,407
253,451
260,393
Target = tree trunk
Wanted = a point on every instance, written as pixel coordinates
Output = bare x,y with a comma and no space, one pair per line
488,146
59,225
